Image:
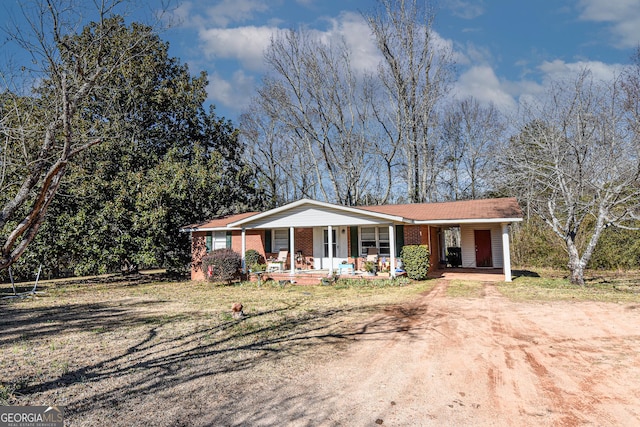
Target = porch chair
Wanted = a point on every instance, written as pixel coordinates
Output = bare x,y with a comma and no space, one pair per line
278,264
372,255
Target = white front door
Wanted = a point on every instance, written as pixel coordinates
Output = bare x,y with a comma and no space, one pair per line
321,247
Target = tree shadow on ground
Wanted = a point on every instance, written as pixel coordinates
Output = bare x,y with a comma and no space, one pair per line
523,273
160,361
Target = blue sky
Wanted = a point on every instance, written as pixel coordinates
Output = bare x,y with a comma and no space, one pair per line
505,50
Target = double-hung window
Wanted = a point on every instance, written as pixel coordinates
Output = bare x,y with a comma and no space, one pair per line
280,239
218,240
374,237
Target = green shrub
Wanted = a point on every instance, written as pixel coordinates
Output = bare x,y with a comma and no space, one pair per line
258,267
617,249
222,265
534,244
415,259
253,260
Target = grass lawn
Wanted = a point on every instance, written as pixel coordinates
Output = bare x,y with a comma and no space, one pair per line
97,345
108,346
548,285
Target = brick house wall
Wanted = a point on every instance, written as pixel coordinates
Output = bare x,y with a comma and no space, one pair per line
255,239
303,240
198,251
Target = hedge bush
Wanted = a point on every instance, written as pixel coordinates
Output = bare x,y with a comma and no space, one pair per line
222,265
415,259
253,259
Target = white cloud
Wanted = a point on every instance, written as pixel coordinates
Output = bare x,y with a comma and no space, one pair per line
558,69
465,9
234,94
472,54
248,43
358,37
245,44
196,15
228,11
179,16
623,15
482,83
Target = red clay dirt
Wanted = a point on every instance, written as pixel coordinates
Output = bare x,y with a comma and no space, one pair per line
468,362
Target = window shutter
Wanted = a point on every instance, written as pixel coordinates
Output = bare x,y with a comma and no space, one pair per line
353,235
399,239
209,241
267,241
228,239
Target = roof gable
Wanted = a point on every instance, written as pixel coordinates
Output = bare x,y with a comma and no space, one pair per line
311,213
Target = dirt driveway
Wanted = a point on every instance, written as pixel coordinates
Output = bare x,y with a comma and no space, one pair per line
457,361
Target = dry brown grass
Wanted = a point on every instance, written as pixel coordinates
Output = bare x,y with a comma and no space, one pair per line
140,352
553,285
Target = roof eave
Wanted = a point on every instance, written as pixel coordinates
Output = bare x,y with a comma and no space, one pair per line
467,221
192,229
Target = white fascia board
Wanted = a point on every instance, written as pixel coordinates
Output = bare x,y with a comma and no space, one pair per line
191,230
468,221
317,203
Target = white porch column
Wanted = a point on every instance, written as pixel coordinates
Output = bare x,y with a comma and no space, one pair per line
506,253
392,251
330,241
244,249
292,251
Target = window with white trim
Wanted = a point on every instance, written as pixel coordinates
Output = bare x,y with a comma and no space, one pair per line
280,239
219,240
375,237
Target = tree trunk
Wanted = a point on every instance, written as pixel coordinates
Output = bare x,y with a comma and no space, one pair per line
577,275
576,266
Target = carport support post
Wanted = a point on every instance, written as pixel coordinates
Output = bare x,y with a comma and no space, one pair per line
506,253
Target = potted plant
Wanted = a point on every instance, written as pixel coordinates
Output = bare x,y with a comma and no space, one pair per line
370,268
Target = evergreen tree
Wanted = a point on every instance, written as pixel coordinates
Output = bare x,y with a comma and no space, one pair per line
166,161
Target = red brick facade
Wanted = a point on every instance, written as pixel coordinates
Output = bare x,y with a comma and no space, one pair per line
255,239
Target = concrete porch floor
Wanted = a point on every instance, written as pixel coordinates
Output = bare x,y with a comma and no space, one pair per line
312,277
482,275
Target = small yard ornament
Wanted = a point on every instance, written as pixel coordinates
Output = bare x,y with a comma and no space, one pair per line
236,311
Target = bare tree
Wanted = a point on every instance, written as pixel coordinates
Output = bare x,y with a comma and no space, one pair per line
631,92
416,72
576,164
41,128
319,102
470,133
263,137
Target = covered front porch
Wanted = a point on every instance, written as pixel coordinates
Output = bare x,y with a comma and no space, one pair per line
319,236
334,250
